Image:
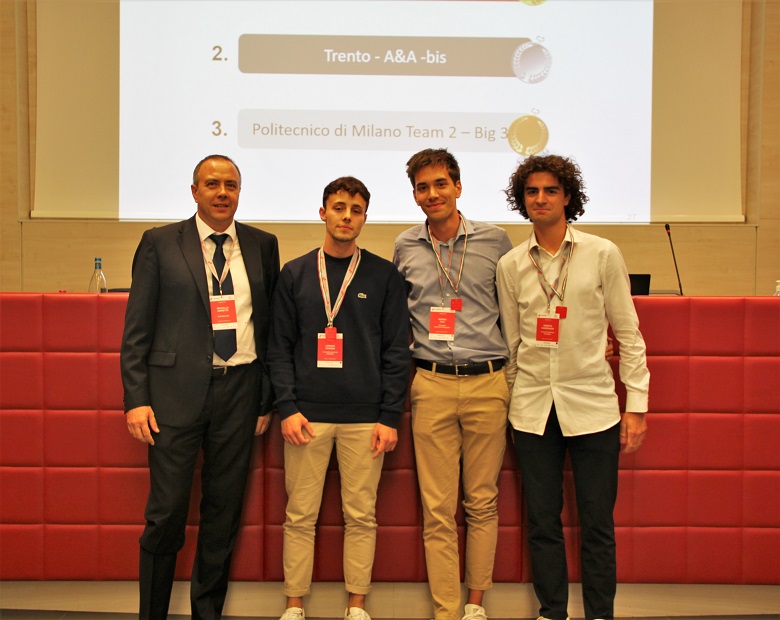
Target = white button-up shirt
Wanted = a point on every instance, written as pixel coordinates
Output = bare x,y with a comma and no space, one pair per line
575,375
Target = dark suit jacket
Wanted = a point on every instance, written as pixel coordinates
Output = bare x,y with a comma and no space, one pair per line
167,347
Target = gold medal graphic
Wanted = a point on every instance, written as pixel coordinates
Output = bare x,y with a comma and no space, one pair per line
527,135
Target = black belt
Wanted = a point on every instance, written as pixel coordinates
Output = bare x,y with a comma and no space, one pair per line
221,371
477,368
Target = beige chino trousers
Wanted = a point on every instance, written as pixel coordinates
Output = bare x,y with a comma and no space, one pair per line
305,468
459,424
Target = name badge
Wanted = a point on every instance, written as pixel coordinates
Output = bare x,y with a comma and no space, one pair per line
330,349
442,324
547,330
223,312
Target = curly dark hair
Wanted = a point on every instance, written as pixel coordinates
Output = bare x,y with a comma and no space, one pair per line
433,157
351,185
565,170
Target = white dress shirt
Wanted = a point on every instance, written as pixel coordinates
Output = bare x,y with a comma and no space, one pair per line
245,330
575,375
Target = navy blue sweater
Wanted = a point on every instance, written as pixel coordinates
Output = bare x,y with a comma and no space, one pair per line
374,319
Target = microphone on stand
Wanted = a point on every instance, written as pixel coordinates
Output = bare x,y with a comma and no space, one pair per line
671,245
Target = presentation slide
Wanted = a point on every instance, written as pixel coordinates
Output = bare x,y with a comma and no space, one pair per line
299,93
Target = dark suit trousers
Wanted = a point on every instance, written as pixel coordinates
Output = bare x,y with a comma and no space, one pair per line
224,431
594,463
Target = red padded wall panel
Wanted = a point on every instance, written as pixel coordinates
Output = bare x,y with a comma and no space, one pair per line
109,382
111,317
625,554
246,556
21,437
274,446
703,482
761,555
122,492
714,555
716,384
328,545
187,554
254,499
510,553
715,441
272,559
70,438
20,322
71,552
70,323
71,380
71,495
669,384
761,498
330,510
273,481
666,443
762,384
660,498
762,441
715,498
509,498
21,380
659,555
717,326
762,327
665,333
398,502
399,554
624,507
118,551
21,495
21,551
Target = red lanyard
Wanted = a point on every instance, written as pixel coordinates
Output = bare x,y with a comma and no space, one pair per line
323,274
442,269
551,290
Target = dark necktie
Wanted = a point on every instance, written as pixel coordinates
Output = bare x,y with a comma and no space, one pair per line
224,339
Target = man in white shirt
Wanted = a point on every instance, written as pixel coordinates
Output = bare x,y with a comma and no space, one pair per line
558,292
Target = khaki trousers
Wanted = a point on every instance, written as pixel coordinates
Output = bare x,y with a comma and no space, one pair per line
459,422
305,468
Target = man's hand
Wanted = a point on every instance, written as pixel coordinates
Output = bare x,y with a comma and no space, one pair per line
610,348
263,422
383,439
140,423
633,429
293,428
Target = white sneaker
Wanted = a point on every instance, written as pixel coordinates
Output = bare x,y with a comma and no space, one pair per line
543,618
293,613
356,613
474,612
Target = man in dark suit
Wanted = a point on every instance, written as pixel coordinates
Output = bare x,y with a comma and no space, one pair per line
194,375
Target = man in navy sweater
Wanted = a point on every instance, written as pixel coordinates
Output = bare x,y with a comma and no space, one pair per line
339,363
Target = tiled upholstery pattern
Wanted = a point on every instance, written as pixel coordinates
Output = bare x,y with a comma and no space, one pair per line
699,503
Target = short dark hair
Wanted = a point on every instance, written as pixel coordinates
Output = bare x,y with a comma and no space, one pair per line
351,185
565,170
196,172
433,157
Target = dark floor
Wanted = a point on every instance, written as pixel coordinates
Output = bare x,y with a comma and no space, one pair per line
13,614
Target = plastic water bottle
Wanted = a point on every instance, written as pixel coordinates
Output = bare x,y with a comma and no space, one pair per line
97,284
